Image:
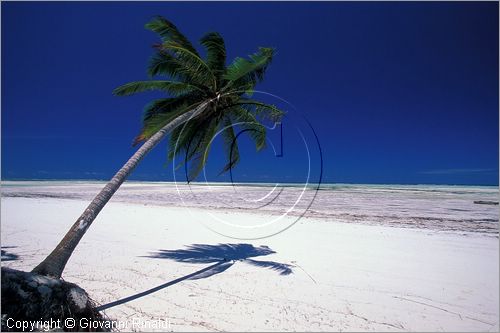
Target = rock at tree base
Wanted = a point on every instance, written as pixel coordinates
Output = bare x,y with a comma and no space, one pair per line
40,300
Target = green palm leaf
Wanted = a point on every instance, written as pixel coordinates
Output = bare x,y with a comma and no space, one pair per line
216,53
182,138
164,63
169,32
166,105
250,70
197,152
230,145
172,87
247,121
262,110
190,60
160,112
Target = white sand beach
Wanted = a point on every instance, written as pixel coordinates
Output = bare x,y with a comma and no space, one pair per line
363,258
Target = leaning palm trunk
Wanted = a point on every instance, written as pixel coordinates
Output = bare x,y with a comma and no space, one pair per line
55,262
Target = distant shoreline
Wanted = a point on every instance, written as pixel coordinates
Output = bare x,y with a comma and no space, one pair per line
246,183
431,207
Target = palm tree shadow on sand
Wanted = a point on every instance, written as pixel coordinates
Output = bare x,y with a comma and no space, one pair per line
7,255
225,254
221,256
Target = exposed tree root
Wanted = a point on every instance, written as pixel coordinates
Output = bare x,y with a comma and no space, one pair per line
40,302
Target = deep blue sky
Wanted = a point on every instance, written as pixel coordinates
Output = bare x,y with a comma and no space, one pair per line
397,92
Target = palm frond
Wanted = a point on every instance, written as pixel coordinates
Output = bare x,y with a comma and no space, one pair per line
182,137
162,63
190,60
216,53
198,155
172,87
249,71
166,64
262,110
169,32
230,145
159,113
247,121
166,105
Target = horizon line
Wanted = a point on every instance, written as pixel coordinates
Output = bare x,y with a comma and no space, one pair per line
241,182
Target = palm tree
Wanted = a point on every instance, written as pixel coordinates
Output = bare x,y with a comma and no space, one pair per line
204,95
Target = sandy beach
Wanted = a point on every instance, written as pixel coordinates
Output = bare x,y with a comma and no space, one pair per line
379,258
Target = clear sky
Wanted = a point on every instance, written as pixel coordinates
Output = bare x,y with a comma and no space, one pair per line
396,92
